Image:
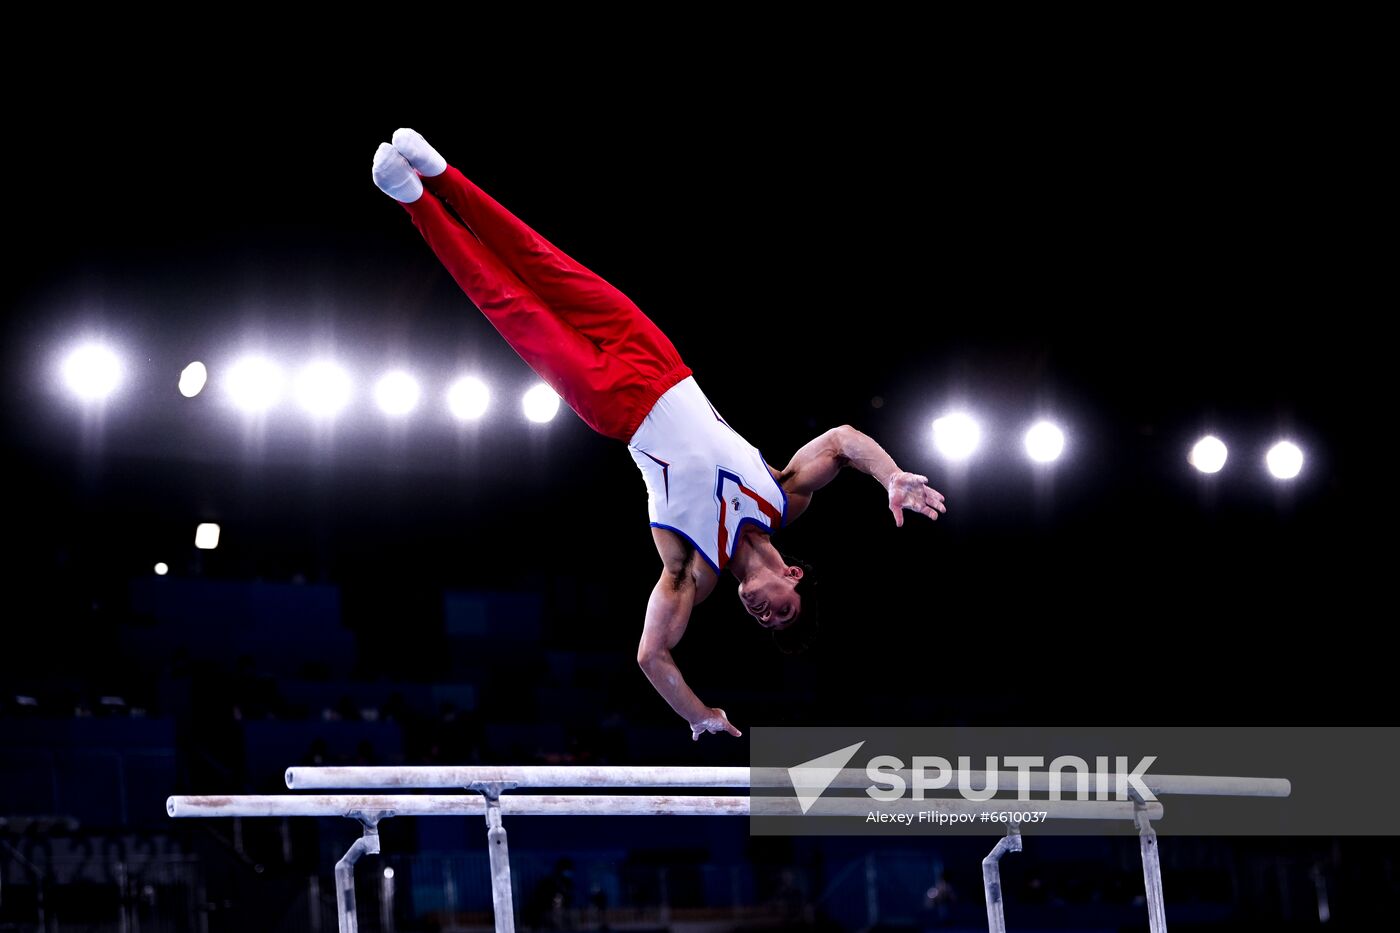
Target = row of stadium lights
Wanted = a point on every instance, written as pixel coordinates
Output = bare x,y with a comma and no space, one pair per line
957,437
323,389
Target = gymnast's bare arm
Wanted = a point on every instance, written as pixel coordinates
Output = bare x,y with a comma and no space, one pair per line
821,458
685,581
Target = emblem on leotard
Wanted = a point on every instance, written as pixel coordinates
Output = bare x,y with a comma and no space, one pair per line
735,502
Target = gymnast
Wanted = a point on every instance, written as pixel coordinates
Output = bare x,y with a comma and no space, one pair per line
713,500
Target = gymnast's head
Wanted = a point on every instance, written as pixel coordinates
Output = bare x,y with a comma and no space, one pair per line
781,598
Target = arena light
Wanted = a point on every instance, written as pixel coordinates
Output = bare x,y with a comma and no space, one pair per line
956,436
206,536
322,388
1044,442
162,568
1285,460
192,379
92,372
468,398
396,393
541,404
1209,454
254,384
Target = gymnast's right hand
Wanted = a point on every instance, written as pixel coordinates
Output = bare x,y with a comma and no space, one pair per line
716,721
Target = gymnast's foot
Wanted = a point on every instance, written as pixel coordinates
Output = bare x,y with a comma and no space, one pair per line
394,176
424,158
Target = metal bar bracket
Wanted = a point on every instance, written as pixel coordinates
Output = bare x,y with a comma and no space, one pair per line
367,844
1151,865
991,877
498,846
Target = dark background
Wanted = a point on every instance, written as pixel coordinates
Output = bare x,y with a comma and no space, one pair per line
1143,272
1145,253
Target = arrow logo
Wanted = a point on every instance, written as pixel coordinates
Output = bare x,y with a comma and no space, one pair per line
811,778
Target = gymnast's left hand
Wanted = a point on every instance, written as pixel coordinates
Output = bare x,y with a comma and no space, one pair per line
911,491
716,721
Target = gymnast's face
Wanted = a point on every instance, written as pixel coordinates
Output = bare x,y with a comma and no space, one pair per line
771,597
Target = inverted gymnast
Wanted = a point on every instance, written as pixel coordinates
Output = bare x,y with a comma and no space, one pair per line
713,500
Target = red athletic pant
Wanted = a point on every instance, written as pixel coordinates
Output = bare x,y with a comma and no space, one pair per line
583,336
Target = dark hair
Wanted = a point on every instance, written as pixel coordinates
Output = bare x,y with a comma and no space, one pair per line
799,634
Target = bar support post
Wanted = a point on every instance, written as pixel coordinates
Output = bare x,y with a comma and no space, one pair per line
991,877
1151,868
498,846
367,844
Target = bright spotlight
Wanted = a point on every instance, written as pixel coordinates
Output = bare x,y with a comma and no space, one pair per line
1285,460
468,398
1044,442
541,404
254,383
1209,454
206,536
956,436
322,388
92,372
397,393
162,569
192,379
389,874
